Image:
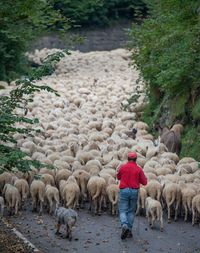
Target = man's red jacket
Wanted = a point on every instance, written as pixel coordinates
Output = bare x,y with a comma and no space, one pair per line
131,176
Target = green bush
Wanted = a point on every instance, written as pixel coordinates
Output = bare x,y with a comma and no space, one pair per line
99,12
168,58
20,22
191,143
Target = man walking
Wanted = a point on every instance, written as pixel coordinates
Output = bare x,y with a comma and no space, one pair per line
130,176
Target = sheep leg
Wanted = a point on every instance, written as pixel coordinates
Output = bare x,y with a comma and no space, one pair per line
193,216
168,214
113,209
41,207
104,203
9,210
152,219
186,211
176,210
95,206
50,206
148,218
34,204
100,200
16,207
161,223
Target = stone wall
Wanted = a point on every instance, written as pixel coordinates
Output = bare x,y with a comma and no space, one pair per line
96,39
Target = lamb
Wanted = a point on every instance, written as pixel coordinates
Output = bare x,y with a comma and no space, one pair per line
195,208
12,198
52,196
2,204
96,189
67,217
112,191
37,190
71,193
153,211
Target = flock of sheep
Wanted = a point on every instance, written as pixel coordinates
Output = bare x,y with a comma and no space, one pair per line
85,134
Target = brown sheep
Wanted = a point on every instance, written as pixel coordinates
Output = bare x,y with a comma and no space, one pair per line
172,138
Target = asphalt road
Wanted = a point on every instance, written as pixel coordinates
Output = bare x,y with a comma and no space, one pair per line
101,234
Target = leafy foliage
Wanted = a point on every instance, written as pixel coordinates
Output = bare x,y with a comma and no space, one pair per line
13,110
190,142
168,57
20,22
99,12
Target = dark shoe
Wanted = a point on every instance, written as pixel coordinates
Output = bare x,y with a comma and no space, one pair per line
129,235
124,233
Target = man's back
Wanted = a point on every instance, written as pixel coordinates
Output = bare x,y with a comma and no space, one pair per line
131,176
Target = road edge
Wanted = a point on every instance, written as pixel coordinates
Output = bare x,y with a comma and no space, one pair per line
21,236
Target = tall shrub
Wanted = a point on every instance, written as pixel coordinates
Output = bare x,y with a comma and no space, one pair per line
99,12
20,22
168,58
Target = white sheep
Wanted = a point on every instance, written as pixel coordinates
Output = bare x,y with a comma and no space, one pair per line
52,197
12,198
187,196
112,191
96,190
71,193
172,196
23,188
195,208
153,212
37,190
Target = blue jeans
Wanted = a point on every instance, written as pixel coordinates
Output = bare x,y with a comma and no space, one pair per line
127,206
